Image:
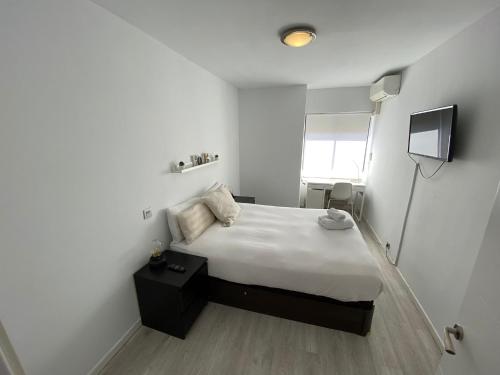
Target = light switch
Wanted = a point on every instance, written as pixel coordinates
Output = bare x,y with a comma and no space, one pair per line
147,213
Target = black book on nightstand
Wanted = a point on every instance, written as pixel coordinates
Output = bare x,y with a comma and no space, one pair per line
170,301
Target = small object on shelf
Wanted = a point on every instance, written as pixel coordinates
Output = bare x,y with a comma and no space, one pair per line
197,161
157,259
190,168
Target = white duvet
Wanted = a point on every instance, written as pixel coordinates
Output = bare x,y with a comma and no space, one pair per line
286,248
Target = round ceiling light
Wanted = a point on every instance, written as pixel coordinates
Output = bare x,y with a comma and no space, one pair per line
298,36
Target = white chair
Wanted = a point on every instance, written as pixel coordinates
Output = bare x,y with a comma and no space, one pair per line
341,193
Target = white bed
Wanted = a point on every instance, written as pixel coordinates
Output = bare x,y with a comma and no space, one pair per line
285,248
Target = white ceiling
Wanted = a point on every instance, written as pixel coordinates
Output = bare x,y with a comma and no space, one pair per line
358,40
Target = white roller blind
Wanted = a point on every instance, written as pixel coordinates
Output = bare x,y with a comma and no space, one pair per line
349,127
335,145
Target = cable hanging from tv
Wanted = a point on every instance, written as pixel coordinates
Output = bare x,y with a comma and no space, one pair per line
422,173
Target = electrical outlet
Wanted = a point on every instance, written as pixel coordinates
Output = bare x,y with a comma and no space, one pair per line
147,213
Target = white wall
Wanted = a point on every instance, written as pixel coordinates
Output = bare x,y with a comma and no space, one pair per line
449,212
271,137
92,112
9,362
477,353
339,100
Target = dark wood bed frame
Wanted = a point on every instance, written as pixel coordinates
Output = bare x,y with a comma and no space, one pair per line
354,317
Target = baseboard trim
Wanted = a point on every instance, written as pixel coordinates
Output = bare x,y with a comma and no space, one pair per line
99,366
373,233
434,333
377,238
427,320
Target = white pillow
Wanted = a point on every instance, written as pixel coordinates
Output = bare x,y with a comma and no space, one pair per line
194,221
172,213
222,204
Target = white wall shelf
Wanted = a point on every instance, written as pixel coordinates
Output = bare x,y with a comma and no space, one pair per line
190,169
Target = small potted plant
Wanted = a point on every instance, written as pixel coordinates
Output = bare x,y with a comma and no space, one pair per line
157,259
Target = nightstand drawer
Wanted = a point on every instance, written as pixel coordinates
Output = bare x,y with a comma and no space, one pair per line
197,287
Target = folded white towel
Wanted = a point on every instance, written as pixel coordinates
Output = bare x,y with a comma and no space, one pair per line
336,214
328,223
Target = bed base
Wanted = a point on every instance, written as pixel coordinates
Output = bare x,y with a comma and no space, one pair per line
354,317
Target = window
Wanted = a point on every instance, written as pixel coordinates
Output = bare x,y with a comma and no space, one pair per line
318,158
335,145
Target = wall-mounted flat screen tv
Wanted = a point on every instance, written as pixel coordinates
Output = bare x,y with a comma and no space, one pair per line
432,133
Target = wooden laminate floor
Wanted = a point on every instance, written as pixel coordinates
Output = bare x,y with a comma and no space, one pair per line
230,341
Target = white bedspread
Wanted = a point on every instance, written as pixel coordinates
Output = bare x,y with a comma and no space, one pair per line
285,248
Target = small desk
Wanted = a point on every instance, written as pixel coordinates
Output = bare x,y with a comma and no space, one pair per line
324,185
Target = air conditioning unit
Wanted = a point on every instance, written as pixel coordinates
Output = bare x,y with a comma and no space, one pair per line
386,87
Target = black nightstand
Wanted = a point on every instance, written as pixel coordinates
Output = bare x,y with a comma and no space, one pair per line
170,301
242,199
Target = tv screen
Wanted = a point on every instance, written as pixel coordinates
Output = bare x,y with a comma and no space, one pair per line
432,133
